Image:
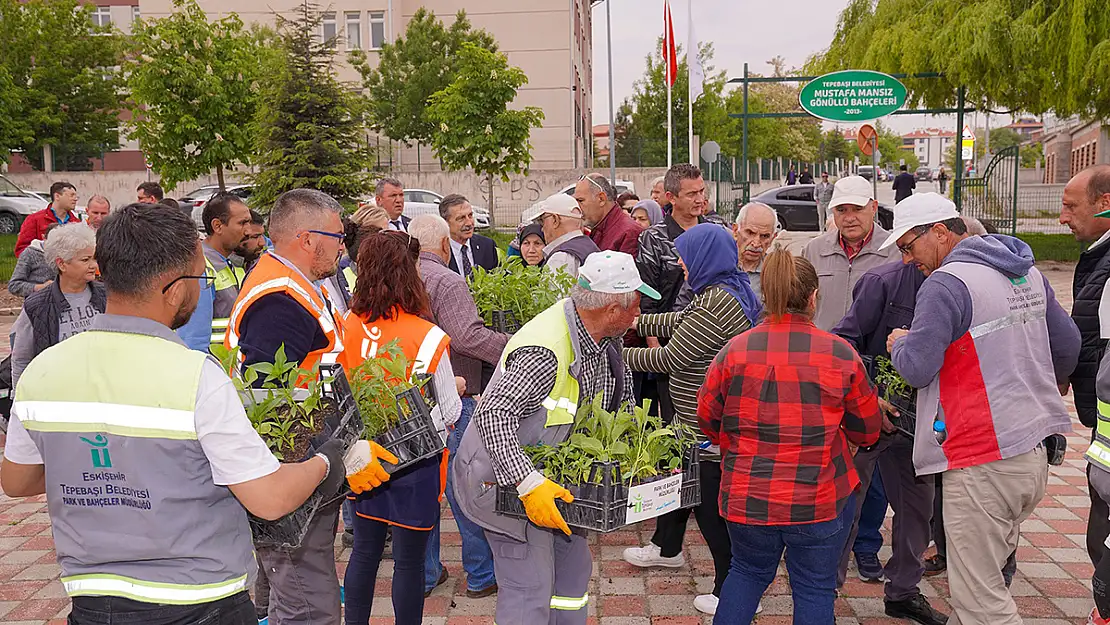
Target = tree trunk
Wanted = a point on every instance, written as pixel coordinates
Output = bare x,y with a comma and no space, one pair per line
220,177
491,219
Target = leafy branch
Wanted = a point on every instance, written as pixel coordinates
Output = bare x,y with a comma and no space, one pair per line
525,291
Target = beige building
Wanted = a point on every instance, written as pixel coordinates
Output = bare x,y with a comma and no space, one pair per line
549,39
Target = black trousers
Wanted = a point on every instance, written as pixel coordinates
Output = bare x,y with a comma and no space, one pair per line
670,528
234,610
1098,523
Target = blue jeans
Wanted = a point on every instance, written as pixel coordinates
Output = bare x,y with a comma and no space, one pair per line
871,515
812,556
476,555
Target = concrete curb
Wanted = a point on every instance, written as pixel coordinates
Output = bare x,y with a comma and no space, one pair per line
10,312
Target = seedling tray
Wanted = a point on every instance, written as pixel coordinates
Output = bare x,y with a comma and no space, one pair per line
416,436
344,424
905,403
601,504
505,321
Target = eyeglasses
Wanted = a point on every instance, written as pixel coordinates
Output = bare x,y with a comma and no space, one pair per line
907,249
333,235
209,277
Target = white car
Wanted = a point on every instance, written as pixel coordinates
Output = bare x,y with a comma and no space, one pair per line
194,201
425,202
621,186
15,205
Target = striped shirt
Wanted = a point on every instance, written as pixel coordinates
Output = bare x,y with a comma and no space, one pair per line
696,335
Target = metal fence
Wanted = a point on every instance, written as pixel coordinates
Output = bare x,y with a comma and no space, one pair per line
1038,209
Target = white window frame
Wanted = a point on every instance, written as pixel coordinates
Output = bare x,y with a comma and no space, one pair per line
136,14
326,20
100,14
376,17
355,26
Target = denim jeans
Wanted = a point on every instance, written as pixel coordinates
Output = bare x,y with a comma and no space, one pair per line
871,515
476,555
234,610
812,556
348,516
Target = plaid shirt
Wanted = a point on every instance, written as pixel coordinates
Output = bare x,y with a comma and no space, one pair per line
528,379
783,400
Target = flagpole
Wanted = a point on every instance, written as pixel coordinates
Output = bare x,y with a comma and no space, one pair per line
612,126
667,78
691,48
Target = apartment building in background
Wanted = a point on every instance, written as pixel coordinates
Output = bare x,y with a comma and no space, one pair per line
1073,146
549,39
929,144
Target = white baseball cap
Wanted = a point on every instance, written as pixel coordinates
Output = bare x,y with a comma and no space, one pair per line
854,190
561,204
919,209
612,272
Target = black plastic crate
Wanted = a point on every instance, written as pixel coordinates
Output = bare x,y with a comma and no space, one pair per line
505,321
906,404
344,424
415,437
601,504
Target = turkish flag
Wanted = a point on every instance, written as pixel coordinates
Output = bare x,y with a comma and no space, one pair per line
670,56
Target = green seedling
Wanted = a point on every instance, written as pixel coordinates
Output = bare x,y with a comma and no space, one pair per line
524,291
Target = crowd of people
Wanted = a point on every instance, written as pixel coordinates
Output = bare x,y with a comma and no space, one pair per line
770,358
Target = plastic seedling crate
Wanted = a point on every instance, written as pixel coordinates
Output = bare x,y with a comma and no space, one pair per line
602,504
906,404
505,321
344,424
416,436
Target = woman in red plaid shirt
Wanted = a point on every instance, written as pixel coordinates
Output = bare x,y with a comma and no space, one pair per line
787,403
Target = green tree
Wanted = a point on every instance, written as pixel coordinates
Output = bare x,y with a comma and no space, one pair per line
476,128
1031,154
195,91
1049,55
1002,138
66,90
798,138
423,61
12,126
834,146
310,127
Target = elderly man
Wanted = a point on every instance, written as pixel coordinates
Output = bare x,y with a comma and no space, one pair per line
757,226
610,227
472,344
657,191
389,194
980,425
842,256
468,250
565,356
561,219
96,210
1086,196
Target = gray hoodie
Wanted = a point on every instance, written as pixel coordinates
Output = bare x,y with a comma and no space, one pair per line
943,312
30,270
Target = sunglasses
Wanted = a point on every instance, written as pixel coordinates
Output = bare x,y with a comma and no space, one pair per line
595,183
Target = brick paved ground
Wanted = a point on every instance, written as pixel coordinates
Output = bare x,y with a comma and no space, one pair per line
1052,586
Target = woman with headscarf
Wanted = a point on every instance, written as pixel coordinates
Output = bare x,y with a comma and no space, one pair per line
531,244
724,305
647,213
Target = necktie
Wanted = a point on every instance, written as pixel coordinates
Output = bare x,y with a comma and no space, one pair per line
467,267
397,225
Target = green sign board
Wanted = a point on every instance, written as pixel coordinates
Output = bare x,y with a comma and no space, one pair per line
853,95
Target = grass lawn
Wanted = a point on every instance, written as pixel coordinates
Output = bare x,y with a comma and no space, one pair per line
7,255
1059,247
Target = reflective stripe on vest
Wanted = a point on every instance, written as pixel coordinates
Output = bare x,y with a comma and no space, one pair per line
138,590
1099,451
226,278
351,277
428,348
550,330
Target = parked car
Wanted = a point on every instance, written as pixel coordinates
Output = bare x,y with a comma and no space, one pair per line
621,186
194,201
923,173
865,171
425,202
15,205
797,208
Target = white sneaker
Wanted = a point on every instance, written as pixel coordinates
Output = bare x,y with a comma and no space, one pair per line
707,604
648,556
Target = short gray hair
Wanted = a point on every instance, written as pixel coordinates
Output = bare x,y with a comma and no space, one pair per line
64,243
657,180
430,230
745,209
379,188
604,186
585,299
672,182
300,209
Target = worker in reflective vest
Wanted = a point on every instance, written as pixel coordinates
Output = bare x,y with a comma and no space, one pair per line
280,306
226,219
390,304
147,482
550,370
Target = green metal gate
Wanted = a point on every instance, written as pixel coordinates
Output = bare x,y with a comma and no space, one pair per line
992,197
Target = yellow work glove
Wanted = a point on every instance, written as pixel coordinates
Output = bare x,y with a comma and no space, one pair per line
364,466
539,503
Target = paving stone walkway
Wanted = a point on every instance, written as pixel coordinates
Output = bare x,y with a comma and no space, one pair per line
1052,586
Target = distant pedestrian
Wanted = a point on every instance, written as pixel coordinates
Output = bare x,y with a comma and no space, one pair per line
904,184
791,176
823,192
807,178
942,178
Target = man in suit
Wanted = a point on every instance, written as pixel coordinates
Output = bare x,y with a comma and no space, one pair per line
389,195
468,250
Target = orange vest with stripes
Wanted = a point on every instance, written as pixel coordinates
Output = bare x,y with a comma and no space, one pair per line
271,275
422,341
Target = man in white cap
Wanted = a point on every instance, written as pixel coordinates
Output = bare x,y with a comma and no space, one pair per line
841,256
567,246
986,348
551,369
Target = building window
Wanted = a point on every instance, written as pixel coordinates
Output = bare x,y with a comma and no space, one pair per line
377,29
354,30
328,28
135,13
102,16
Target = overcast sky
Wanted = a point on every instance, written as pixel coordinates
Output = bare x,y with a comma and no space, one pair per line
740,31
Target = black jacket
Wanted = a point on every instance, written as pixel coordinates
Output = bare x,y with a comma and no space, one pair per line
904,184
44,308
1090,278
658,263
484,252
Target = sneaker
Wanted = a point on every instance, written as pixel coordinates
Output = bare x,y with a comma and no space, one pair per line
707,604
1096,619
935,565
648,556
916,609
439,582
870,570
